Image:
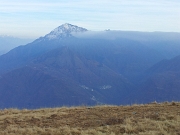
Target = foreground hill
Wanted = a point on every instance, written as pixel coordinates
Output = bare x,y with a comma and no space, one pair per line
147,119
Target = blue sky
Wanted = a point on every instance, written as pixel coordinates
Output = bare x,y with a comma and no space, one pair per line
34,18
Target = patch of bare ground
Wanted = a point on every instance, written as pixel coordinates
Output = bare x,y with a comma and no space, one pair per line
147,119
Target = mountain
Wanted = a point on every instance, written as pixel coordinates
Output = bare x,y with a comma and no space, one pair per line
7,43
161,81
21,55
61,77
72,66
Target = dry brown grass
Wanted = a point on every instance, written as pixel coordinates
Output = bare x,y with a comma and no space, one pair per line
149,119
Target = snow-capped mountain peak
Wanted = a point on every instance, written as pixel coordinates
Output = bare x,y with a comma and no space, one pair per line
64,30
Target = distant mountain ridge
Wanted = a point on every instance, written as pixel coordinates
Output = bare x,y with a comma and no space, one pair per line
64,69
8,42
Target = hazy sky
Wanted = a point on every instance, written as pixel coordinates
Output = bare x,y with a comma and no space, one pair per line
34,18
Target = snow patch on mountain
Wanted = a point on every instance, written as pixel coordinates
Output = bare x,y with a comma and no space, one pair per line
64,31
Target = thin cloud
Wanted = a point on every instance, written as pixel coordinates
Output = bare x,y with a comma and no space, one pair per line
162,15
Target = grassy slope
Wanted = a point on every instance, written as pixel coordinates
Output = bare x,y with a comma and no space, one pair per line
150,119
